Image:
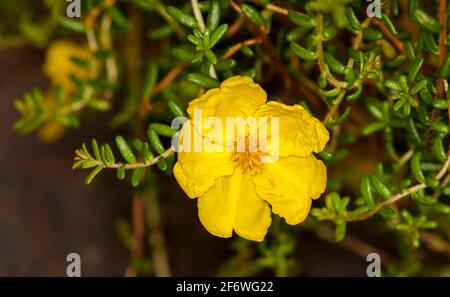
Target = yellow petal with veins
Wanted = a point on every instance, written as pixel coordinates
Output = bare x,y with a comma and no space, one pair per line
289,184
299,133
232,204
237,96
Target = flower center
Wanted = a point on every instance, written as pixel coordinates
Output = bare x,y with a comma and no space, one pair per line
247,160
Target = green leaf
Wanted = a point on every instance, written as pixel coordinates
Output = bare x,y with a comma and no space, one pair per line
423,199
388,212
93,174
427,21
302,20
160,32
438,148
440,127
341,227
203,80
373,127
155,141
182,54
392,84
150,79
163,130
121,172
353,19
147,155
416,169
73,25
162,164
356,94
136,177
325,155
370,34
99,104
444,71
213,16
182,17
303,52
125,150
366,191
440,104
217,34
380,187
296,33
341,119
225,64
389,24
175,109
117,17
414,69
442,208
253,14
95,149
418,86
334,64
211,57
109,154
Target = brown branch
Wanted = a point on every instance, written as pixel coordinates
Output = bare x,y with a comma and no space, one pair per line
138,234
442,43
277,9
350,243
405,193
397,42
156,237
235,48
235,26
435,243
146,106
96,11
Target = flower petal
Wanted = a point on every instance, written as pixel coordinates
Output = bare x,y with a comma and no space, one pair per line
196,172
289,184
232,203
200,162
299,133
237,96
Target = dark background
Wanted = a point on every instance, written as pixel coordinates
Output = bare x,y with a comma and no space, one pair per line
46,211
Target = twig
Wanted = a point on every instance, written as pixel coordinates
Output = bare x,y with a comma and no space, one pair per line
169,78
146,106
201,26
435,243
235,48
96,11
405,193
235,26
320,59
350,62
277,9
351,243
138,234
152,162
111,63
156,236
397,42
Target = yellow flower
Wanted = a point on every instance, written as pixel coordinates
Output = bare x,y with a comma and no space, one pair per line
236,190
58,66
